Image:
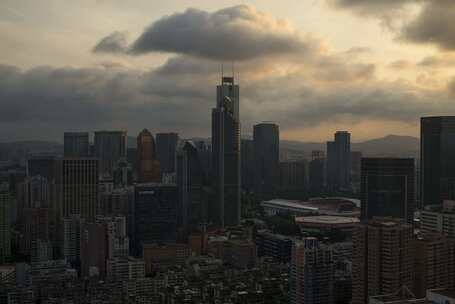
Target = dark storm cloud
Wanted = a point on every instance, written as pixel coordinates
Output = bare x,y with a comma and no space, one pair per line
234,33
116,42
371,7
434,25
179,95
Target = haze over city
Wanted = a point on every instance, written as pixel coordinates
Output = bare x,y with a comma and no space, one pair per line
113,64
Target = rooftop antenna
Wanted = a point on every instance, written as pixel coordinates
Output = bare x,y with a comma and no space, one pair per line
222,72
233,72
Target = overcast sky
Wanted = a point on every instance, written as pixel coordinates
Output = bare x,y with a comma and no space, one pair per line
313,66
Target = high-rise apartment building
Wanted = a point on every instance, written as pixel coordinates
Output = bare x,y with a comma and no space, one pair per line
434,263
79,187
439,218
266,138
225,210
437,164
76,144
110,147
166,147
339,162
387,188
148,167
5,225
382,258
312,271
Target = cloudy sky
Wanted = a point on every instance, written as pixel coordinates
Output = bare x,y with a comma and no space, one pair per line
313,66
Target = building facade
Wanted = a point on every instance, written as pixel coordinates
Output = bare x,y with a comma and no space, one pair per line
382,258
148,167
387,188
437,164
76,144
266,138
109,147
166,147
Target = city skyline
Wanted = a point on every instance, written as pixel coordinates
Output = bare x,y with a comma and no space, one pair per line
310,77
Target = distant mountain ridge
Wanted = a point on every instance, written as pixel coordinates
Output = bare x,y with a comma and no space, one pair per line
387,146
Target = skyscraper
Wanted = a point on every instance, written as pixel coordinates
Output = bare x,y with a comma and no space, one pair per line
437,161
192,188
79,187
339,162
148,168
225,210
382,258
5,225
312,270
110,146
166,146
387,188
76,144
266,137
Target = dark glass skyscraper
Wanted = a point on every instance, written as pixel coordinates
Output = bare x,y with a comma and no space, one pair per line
266,137
387,187
437,159
225,208
76,144
110,146
166,146
339,162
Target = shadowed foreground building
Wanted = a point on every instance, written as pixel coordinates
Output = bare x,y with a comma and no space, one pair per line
382,258
312,272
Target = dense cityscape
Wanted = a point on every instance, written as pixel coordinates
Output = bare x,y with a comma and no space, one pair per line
227,152
228,220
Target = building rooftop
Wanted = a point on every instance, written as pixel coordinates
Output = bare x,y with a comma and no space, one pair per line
327,220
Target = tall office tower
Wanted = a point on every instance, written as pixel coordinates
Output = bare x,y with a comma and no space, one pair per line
79,187
312,271
166,146
123,174
5,225
434,263
192,188
225,210
266,138
292,179
247,164
387,188
148,167
316,174
34,226
437,164
382,258
155,213
76,144
339,162
93,253
110,146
